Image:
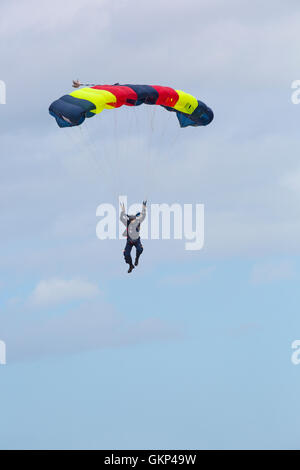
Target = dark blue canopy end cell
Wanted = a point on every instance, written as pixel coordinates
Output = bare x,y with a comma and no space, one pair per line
70,111
202,116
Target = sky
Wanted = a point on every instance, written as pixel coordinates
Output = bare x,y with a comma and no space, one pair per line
193,349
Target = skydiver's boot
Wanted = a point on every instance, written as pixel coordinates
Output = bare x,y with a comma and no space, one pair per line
136,262
131,267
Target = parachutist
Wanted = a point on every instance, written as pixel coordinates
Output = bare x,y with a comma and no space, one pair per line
132,232
76,84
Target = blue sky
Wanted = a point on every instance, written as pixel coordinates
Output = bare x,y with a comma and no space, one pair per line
193,350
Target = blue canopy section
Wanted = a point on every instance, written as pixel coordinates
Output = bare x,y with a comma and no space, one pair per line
70,111
145,94
185,120
202,116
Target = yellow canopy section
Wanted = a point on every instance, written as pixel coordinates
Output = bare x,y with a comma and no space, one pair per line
100,98
186,103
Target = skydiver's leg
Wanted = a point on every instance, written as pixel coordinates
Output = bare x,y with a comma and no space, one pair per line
139,251
127,255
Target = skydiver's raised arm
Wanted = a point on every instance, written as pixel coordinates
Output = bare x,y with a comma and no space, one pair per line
142,216
123,216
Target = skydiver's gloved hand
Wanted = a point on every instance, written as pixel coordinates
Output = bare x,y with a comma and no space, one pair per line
122,206
144,203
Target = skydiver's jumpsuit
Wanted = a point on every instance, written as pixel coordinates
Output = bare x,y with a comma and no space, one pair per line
132,234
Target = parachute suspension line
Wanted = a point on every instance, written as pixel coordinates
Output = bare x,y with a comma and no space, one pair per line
140,151
156,146
99,150
90,150
125,154
145,143
87,101
164,148
150,153
91,154
117,135
131,128
100,164
81,145
77,141
70,136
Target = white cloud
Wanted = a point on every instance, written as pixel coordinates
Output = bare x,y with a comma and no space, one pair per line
94,324
189,279
272,272
244,329
58,291
291,181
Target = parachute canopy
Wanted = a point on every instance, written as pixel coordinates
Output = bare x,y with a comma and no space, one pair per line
71,110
